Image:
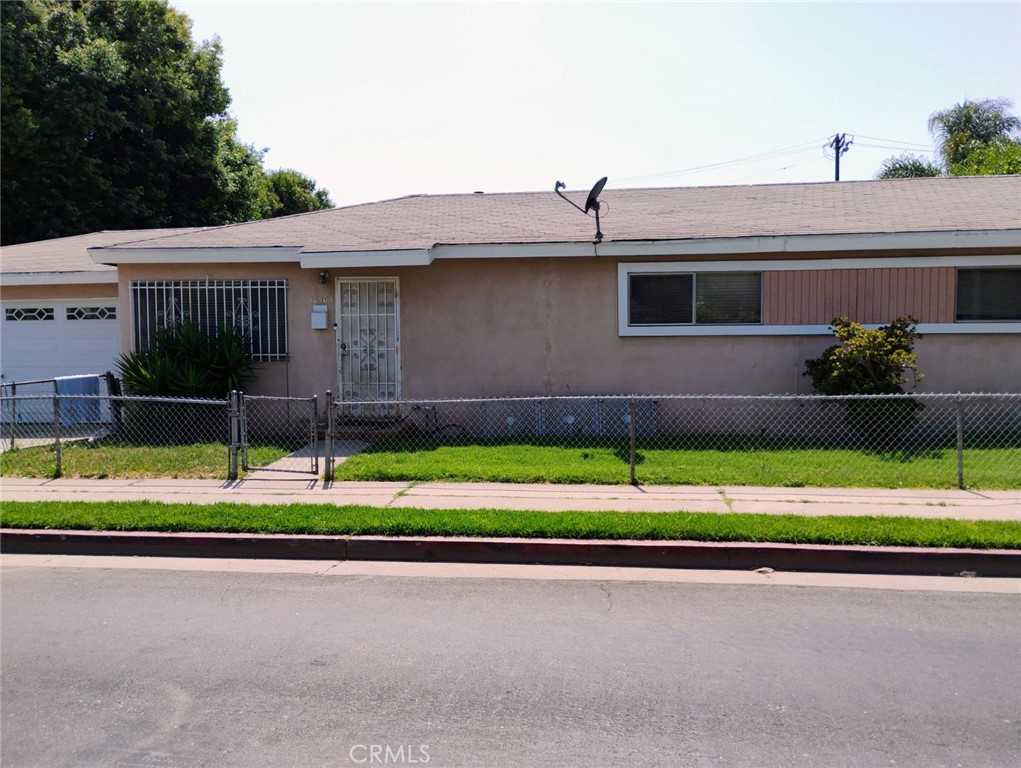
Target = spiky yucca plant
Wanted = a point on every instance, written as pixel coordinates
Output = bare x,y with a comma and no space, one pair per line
188,361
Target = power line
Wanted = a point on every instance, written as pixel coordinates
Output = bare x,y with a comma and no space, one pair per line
775,170
891,141
771,155
824,143
912,148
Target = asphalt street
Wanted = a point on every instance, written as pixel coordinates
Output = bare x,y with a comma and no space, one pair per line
171,667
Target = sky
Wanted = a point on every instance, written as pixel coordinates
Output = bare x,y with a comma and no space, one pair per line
381,100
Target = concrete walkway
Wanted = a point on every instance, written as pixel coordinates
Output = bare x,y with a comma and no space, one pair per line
294,487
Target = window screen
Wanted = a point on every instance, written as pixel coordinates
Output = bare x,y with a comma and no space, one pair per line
703,298
660,299
989,294
728,297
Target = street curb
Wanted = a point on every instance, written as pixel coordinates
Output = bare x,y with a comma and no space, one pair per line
649,554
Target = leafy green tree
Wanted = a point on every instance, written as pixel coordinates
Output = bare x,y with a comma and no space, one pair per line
970,126
871,362
908,166
973,138
295,193
113,118
1001,157
248,192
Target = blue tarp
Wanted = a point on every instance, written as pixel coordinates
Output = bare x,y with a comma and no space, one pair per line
78,411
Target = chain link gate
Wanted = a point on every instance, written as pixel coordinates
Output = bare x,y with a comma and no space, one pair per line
288,423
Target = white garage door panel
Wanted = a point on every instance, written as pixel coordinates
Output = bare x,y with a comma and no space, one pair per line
92,347
42,349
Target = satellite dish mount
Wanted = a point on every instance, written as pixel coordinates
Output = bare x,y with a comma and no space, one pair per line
591,204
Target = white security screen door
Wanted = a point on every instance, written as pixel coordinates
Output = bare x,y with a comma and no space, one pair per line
368,342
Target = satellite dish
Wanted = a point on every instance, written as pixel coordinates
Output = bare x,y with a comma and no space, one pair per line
593,196
591,204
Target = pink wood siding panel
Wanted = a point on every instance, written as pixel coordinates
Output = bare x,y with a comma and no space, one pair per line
794,297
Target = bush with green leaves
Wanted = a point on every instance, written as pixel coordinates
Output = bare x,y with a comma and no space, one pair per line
184,361
188,361
869,361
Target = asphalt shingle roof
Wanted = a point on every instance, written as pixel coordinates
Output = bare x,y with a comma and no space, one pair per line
69,254
681,213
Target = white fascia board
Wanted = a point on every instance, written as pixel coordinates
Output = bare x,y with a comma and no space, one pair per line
959,260
269,255
807,330
418,257
58,278
61,302
1010,238
517,251
751,245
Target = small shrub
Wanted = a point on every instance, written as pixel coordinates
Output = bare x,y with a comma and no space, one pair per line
871,362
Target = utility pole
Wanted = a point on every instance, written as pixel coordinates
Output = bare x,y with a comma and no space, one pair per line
839,145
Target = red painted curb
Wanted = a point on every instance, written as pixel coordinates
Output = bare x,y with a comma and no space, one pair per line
649,554
692,554
153,544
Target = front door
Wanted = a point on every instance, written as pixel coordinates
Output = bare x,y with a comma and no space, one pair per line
368,343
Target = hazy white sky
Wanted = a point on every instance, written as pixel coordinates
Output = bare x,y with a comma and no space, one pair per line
378,100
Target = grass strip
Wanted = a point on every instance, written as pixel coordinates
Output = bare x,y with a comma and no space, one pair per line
99,460
742,462
745,464
362,521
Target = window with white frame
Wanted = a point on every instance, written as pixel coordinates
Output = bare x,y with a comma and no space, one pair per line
258,308
693,298
988,294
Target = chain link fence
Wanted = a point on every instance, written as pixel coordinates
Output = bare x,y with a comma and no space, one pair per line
912,440
28,412
923,440
42,434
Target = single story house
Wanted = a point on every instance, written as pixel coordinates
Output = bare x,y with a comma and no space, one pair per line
59,309
695,290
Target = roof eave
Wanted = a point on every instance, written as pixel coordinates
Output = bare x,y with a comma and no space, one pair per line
97,277
411,257
881,241
115,256
725,246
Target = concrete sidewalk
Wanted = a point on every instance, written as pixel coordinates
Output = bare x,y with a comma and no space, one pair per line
284,488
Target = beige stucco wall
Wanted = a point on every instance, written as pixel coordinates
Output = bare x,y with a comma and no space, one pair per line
472,328
43,292
310,370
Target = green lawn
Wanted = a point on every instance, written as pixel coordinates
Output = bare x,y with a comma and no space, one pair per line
746,462
84,459
352,520
738,461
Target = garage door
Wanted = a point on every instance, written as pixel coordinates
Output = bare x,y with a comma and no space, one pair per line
44,339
